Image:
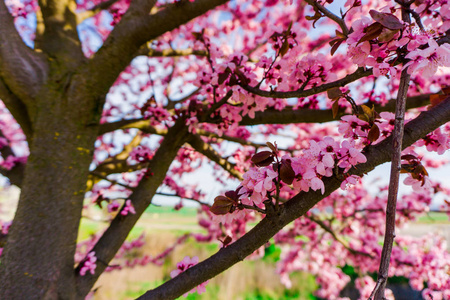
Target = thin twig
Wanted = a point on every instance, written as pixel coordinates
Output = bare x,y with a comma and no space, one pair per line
254,207
383,271
336,237
183,198
330,15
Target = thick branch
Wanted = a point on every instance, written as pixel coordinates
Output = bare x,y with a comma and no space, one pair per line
289,115
207,150
359,73
269,116
294,208
120,227
94,10
148,51
60,36
133,31
22,70
141,124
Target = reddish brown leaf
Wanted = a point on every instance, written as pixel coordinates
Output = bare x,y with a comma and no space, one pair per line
387,20
406,168
316,18
367,111
226,240
222,205
363,117
222,77
334,93
197,35
420,169
372,32
263,158
232,195
387,35
340,34
446,90
284,47
336,46
287,174
244,80
272,147
435,99
374,133
335,109
408,157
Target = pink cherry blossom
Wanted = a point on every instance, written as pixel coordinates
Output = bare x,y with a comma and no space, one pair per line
89,265
428,60
127,208
257,182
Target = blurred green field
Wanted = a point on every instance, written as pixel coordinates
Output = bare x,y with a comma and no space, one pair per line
251,279
434,217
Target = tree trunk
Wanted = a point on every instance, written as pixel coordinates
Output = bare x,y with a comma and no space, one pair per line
38,260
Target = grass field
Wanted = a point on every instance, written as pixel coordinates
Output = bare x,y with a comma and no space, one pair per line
247,281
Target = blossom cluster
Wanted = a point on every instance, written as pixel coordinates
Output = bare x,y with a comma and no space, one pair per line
89,264
377,44
299,173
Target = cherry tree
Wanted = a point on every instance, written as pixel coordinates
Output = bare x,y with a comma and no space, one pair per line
110,103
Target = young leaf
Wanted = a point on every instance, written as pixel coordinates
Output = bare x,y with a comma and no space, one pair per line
387,20
222,205
335,109
435,99
263,158
374,133
223,77
387,35
226,240
272,147
334,93
335,46
408,157
367,111
284,47
372,32
287,174
446,90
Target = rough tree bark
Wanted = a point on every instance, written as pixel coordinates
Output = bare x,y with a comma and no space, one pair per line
57,96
